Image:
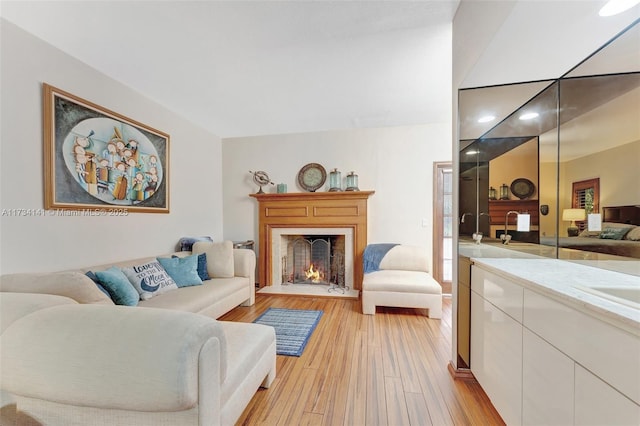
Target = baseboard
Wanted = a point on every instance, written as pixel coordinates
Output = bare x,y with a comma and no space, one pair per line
461,373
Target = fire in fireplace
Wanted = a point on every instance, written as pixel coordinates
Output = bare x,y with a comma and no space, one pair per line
314,259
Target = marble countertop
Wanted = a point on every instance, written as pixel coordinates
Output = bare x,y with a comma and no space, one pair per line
522,251
537,251
572,283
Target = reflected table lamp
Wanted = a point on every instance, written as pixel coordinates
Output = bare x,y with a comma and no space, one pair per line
571,215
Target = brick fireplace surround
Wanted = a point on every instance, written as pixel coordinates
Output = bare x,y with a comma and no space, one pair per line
311,210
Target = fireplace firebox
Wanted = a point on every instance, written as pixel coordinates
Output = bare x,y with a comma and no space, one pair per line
313,259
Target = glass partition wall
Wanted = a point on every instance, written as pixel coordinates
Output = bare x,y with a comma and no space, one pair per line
566,152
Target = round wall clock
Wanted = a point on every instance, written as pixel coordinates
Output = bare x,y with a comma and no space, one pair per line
312,176
522,188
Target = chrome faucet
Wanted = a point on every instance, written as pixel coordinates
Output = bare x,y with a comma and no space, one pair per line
506,237
464,215
477,236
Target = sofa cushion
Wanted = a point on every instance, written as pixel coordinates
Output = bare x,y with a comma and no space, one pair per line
401,281
634,234
202,266
149,279
197,298
117,284
219,258
406,258
75,285
183,270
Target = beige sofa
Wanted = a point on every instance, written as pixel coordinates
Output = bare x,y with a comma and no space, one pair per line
75,358
214,298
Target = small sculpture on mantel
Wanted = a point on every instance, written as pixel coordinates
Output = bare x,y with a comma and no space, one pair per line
261,179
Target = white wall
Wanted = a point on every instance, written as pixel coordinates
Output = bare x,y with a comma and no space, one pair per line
56,243
396,162
617,169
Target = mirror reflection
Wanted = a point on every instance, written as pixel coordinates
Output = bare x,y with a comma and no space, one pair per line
551,168
556,176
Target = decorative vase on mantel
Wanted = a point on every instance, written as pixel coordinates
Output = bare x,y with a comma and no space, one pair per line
504,192
335,181
352,182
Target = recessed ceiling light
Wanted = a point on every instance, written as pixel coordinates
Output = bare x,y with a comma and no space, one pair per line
529,116
486,118
613,7
471,152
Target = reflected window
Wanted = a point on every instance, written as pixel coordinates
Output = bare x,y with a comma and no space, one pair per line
447,226
586,195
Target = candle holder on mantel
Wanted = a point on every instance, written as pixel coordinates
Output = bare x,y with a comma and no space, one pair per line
335,181
492,193
352,182
504,192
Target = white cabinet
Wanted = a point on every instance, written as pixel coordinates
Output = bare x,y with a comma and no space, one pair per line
496,354
597,403
501,292
547,383
545,362
608,351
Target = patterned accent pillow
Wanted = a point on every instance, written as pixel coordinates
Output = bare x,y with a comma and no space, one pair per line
118,286
183,270
150,279
614,233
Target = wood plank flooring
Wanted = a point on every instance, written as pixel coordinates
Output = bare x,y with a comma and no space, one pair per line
387,369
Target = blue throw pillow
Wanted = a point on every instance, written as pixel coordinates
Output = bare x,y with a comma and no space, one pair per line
96,281
118,286
183,270
202,266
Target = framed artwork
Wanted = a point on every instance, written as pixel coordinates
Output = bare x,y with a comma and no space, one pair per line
96,159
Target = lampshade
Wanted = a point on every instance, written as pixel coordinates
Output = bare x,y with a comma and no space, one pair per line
570,215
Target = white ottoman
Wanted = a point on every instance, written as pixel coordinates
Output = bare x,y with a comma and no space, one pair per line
403,281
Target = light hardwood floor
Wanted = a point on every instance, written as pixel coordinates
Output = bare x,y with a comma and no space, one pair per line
387,369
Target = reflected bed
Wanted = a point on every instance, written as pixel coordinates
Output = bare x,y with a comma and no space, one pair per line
620,234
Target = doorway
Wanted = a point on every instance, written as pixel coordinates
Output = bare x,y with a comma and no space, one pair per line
443,225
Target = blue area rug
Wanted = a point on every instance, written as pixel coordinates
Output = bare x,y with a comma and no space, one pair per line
293,328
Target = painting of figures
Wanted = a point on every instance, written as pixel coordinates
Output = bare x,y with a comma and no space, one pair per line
96,158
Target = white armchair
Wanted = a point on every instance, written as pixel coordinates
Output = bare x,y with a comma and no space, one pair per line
402,279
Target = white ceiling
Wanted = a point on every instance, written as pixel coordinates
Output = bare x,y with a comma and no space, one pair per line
243,68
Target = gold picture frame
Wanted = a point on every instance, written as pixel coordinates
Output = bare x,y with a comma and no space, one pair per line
98,160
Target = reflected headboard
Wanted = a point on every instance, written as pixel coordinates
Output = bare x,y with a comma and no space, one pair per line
622,214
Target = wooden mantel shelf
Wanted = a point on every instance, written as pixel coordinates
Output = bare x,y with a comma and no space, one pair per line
346,209
306,196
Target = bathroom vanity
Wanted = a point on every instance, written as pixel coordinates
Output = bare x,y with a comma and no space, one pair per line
555,342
